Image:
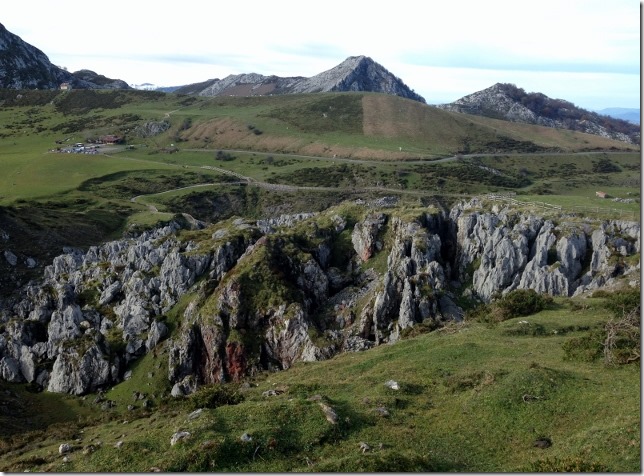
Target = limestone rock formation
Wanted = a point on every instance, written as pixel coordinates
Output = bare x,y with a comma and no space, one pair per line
267,294
506,101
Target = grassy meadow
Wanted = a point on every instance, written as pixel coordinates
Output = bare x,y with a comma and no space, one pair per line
470,397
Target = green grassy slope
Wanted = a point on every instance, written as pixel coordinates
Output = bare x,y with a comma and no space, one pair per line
471,397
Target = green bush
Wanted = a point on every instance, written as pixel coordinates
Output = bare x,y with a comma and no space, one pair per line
213,396
522,302
585,348
622,302
518,303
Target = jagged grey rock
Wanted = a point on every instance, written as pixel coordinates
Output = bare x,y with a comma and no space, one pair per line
365,233
94,312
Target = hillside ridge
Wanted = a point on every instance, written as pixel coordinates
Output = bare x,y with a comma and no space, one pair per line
508,102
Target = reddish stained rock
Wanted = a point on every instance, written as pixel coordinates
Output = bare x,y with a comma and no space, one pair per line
235,361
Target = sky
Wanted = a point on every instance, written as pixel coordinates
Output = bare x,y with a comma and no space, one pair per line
584,51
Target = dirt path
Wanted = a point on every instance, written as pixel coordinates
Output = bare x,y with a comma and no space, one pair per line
242,179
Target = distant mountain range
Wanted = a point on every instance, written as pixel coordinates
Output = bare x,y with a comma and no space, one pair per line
511,103
23,66
624,113
356,73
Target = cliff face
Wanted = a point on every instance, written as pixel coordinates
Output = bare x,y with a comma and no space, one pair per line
263,295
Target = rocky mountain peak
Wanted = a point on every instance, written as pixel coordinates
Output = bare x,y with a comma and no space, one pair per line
356,73
23,66
508,102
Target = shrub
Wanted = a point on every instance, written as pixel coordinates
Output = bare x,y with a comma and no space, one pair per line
522,302
605,166
517,303
619,339
622,302
585,348
224,156
213,396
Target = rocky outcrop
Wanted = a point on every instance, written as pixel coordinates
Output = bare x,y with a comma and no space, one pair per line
365,235
111,297
507,250
267,294
508,102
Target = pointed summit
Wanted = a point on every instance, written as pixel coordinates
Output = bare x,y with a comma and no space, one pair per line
356,73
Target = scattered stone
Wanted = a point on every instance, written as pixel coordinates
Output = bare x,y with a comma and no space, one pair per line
127,375
196,414
542,443
11,258
329,413
64,448
178,436
392,384
272,392
118,444
155,469
89,449
246,438
66,459
219,234
131,407
176,391
382,411
364,447
315,398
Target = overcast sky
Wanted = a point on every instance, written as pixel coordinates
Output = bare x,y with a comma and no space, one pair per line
584,51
